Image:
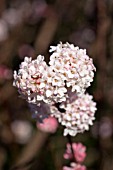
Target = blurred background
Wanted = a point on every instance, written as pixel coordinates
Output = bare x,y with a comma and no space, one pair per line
28,28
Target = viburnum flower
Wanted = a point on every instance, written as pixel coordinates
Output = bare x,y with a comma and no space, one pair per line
79,151
37,82
69,67
63,82
74,65
74,166
48,125
77,116
29,78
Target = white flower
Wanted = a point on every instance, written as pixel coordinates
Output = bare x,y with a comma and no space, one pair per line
73,65
29,78
48,93
78,114
36,81
70,72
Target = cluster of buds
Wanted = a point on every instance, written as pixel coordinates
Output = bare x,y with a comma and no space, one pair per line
37,82
78,114
63,82
74,65
78,155
49,125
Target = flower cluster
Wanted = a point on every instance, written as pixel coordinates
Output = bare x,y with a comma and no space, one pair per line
29,77
78,115
37,82
74,65
79,154
63,82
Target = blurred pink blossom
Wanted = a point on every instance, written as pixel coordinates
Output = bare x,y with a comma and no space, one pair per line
105,128
5,73
48,125
75,166
36,11
79,152
12,17
22,131
3,30
25,50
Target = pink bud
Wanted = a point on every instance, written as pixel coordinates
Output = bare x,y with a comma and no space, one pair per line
48,125
79,152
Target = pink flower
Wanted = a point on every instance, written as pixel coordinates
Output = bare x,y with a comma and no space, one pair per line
75,166
5,73
79,152
25,50
48,125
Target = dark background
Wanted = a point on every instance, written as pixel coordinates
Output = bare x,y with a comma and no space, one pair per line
28,28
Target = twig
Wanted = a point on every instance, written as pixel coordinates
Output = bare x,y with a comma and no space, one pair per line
27,157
